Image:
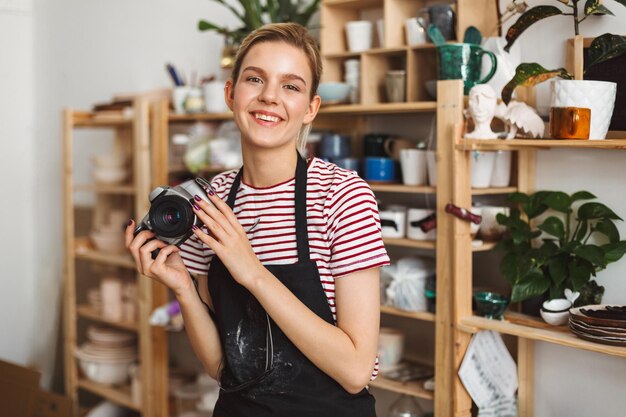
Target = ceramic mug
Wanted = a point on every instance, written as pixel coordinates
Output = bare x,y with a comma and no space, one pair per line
413,166
395,81
570,122
379,169
463,61
442,16
390,348
415,32
374,144
413,230
431,165
393,221
481,168
489,228
394,146
334,146
359,34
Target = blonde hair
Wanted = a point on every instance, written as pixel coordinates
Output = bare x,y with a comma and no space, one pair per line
292,34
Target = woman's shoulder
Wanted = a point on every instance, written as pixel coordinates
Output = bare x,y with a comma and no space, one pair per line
338,182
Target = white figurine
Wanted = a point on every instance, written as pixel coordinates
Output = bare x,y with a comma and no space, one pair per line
482,107
518,116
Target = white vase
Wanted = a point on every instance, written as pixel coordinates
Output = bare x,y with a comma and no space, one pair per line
507,62
599,96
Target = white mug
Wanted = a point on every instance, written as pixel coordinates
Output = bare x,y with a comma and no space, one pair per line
489,228
501,175
413,165
359,34
214,101
179,95
415,33
393,221
481,168
415,232
390,348
431,163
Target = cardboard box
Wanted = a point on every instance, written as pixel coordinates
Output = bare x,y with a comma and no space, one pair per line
20,395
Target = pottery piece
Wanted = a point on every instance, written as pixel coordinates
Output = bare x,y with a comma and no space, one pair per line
482,107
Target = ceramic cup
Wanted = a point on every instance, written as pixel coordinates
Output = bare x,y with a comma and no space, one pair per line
334,146
393,221
570,122
347,163
413,166
359,34
489,228
431,164
395,85
379,169
501,174
442,16
393,147
463,61
111,295
214,97
380,31
415,33
374,144
390,348
179,96
481,168
413,231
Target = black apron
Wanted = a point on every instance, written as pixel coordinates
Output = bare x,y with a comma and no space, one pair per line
263,373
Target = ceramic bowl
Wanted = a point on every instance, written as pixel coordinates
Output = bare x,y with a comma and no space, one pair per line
333,92
111,160
108,371
490,304
557,305
554,318
108,242
109,175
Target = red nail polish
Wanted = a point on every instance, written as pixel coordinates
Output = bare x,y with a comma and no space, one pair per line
197,197
211,192
194,227
197,207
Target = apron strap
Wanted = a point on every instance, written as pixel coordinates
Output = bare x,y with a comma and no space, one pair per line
302,238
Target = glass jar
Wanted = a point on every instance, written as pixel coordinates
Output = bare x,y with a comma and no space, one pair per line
405,406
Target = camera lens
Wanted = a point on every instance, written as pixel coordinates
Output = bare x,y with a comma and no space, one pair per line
171,216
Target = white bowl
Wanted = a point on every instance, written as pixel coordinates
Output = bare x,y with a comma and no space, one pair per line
333,92
109,160
554,318
557,305
107,372
109,175
108,242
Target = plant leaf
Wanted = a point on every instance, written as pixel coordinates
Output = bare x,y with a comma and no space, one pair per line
603,48
557,267
518,198
591,253
608,228
596,8
513,266
530,74
559,201
582,195
590,211
526,20
553,226
579,273
549,248
622,2
203,25
614,251
582,231
533,284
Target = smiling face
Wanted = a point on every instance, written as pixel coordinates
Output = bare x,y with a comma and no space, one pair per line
270,99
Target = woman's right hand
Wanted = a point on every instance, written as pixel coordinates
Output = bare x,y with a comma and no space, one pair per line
168,267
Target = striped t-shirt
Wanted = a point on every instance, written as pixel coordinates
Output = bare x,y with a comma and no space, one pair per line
342,217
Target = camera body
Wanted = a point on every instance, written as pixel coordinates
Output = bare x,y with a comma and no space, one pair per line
171,216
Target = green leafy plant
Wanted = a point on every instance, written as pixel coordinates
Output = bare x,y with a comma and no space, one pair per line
253,14
557,252
604,47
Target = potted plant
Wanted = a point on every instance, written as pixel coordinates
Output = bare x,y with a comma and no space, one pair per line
565,248
253,14
599,96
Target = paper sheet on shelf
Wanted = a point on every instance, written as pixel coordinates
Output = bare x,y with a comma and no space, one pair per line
488,371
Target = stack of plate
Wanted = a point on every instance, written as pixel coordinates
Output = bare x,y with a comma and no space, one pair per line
107,356
600,323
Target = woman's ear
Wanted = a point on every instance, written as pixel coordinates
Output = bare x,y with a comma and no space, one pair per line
229,93
314,107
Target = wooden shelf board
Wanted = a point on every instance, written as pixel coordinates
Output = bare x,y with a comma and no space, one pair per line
119,395
498,190
106,188
481,246
90,313
529,330
418,315
477,245
84,251
413,388
400,188
86,119
200,117
514,144
353,4
380,108
342,55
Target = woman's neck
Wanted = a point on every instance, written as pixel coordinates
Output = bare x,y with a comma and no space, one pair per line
267,167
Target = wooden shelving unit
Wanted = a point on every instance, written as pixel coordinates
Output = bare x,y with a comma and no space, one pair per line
414,388
454,277
417,315
131,137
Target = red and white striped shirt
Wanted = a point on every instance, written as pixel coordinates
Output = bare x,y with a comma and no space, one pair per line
342,216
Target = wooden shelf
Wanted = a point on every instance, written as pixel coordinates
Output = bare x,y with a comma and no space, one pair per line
489,191
414,388
380,108
84,250
89,119
200,117
353,4
400,188
520,144
119,395
89,312
477,245
557,335
106,188
417,315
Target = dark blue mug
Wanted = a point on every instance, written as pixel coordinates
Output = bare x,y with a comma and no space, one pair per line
379,169
347,163
334,146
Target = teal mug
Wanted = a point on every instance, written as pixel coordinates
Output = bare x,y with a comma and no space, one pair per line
463,61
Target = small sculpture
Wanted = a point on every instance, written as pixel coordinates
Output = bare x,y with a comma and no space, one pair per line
482,107
518,116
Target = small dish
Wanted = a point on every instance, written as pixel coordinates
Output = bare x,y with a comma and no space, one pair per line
334,92
557,305
491,304
555,318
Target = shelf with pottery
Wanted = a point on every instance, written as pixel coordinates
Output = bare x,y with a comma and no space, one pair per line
477,245
413,388
520,144
119,394
417,315
88,312
131,142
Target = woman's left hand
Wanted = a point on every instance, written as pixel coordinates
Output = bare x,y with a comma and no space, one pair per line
227,238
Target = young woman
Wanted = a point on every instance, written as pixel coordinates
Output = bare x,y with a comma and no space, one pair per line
287,264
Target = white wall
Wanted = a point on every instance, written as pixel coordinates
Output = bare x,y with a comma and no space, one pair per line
74,53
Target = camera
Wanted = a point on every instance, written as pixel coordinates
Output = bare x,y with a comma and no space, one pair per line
171,216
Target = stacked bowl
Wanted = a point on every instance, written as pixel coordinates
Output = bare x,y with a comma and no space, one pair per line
110,168
107,355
